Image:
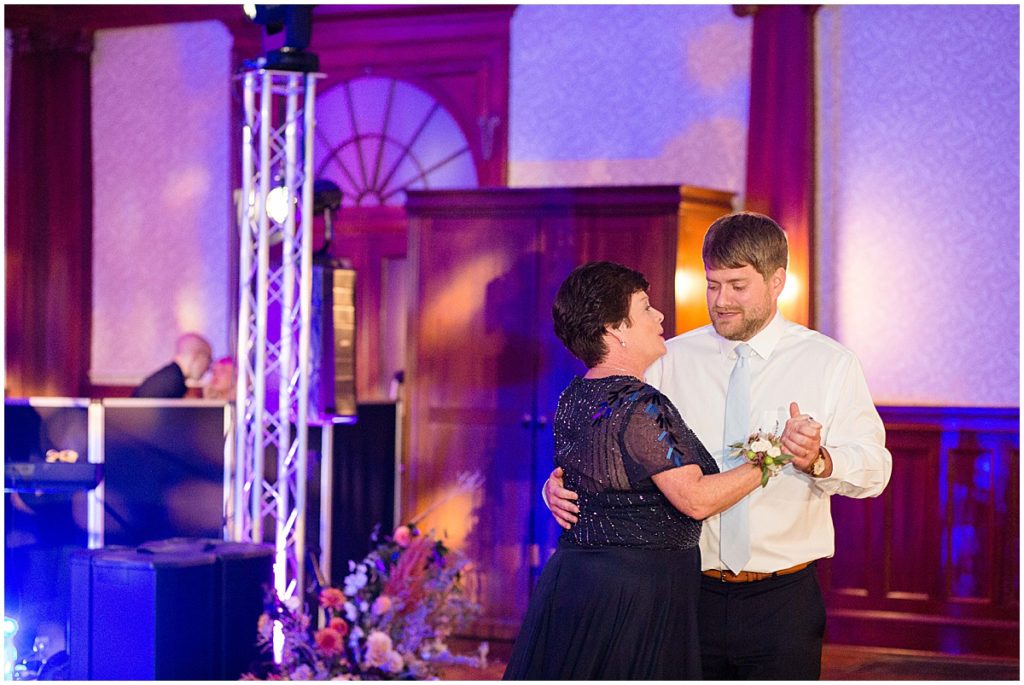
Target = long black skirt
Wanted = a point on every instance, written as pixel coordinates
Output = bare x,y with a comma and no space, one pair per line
613,613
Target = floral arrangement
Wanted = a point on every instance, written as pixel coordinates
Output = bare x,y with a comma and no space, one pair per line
390,620
763,450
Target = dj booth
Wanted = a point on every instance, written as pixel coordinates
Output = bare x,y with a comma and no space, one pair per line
148,472
142,469
115,535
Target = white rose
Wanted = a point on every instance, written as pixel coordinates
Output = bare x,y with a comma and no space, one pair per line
378,645
760,445
774,451
394,662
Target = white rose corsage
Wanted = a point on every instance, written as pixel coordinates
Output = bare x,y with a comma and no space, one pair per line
763,450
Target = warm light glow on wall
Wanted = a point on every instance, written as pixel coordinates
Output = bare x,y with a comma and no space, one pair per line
691,305
689,285
794,301
791,293
453,520
189,314
460,299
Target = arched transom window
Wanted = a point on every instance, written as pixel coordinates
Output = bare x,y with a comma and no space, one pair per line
378,137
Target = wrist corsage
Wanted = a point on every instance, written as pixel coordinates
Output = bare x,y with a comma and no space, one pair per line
763,450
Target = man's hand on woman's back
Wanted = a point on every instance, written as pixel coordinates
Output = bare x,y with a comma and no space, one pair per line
560,502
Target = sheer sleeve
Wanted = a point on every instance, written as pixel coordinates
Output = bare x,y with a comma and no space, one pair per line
655,438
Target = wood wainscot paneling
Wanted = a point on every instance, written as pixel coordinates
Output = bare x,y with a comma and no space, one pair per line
933,563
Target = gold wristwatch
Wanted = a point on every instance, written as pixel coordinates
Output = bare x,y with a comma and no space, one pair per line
818,466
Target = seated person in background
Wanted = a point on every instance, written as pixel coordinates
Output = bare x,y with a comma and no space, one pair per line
192,355
222,380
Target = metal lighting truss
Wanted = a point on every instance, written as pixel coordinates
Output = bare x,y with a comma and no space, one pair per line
277,156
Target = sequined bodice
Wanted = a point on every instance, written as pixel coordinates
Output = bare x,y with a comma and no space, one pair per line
611,435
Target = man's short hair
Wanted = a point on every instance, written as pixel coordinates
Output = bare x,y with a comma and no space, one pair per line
593,296
743,238
191,343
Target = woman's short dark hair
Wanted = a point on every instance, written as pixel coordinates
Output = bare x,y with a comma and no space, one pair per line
593,296
743,238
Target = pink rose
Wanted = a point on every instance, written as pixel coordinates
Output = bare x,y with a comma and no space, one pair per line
332,598
402,536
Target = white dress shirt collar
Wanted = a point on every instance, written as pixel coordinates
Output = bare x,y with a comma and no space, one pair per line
763,343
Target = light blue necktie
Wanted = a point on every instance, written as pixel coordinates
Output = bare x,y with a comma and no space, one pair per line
735,533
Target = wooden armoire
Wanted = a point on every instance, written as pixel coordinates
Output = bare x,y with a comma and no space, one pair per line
484,368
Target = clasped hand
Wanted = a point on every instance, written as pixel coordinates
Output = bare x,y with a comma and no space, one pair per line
801,438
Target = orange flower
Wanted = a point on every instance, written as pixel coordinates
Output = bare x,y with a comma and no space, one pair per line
332,598
339,625
381,605
329,641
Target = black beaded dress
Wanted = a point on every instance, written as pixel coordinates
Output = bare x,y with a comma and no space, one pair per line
618,599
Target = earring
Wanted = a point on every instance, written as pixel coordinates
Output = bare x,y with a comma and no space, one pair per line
622,342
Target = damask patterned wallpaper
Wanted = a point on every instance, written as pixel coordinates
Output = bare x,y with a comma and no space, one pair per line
919,204
629,95
162,196
918,252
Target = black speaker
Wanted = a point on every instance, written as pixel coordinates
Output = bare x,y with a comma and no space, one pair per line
364,483
142,616
244,577
181,609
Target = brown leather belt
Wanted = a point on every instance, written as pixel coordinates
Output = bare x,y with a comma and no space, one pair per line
752,576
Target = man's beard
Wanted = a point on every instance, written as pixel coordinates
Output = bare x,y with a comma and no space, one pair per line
750,323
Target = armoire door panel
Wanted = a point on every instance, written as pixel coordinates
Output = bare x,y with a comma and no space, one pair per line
641,243
474,332
485,368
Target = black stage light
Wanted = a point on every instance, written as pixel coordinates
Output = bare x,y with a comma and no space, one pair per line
326,195
297,23
326,199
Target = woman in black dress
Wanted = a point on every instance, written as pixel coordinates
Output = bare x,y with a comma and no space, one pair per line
618,599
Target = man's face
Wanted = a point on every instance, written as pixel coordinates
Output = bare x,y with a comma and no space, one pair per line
200,362
741,301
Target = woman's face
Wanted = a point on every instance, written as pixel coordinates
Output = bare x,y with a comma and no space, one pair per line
643,337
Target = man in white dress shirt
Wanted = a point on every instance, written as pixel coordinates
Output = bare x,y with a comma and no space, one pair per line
767,620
